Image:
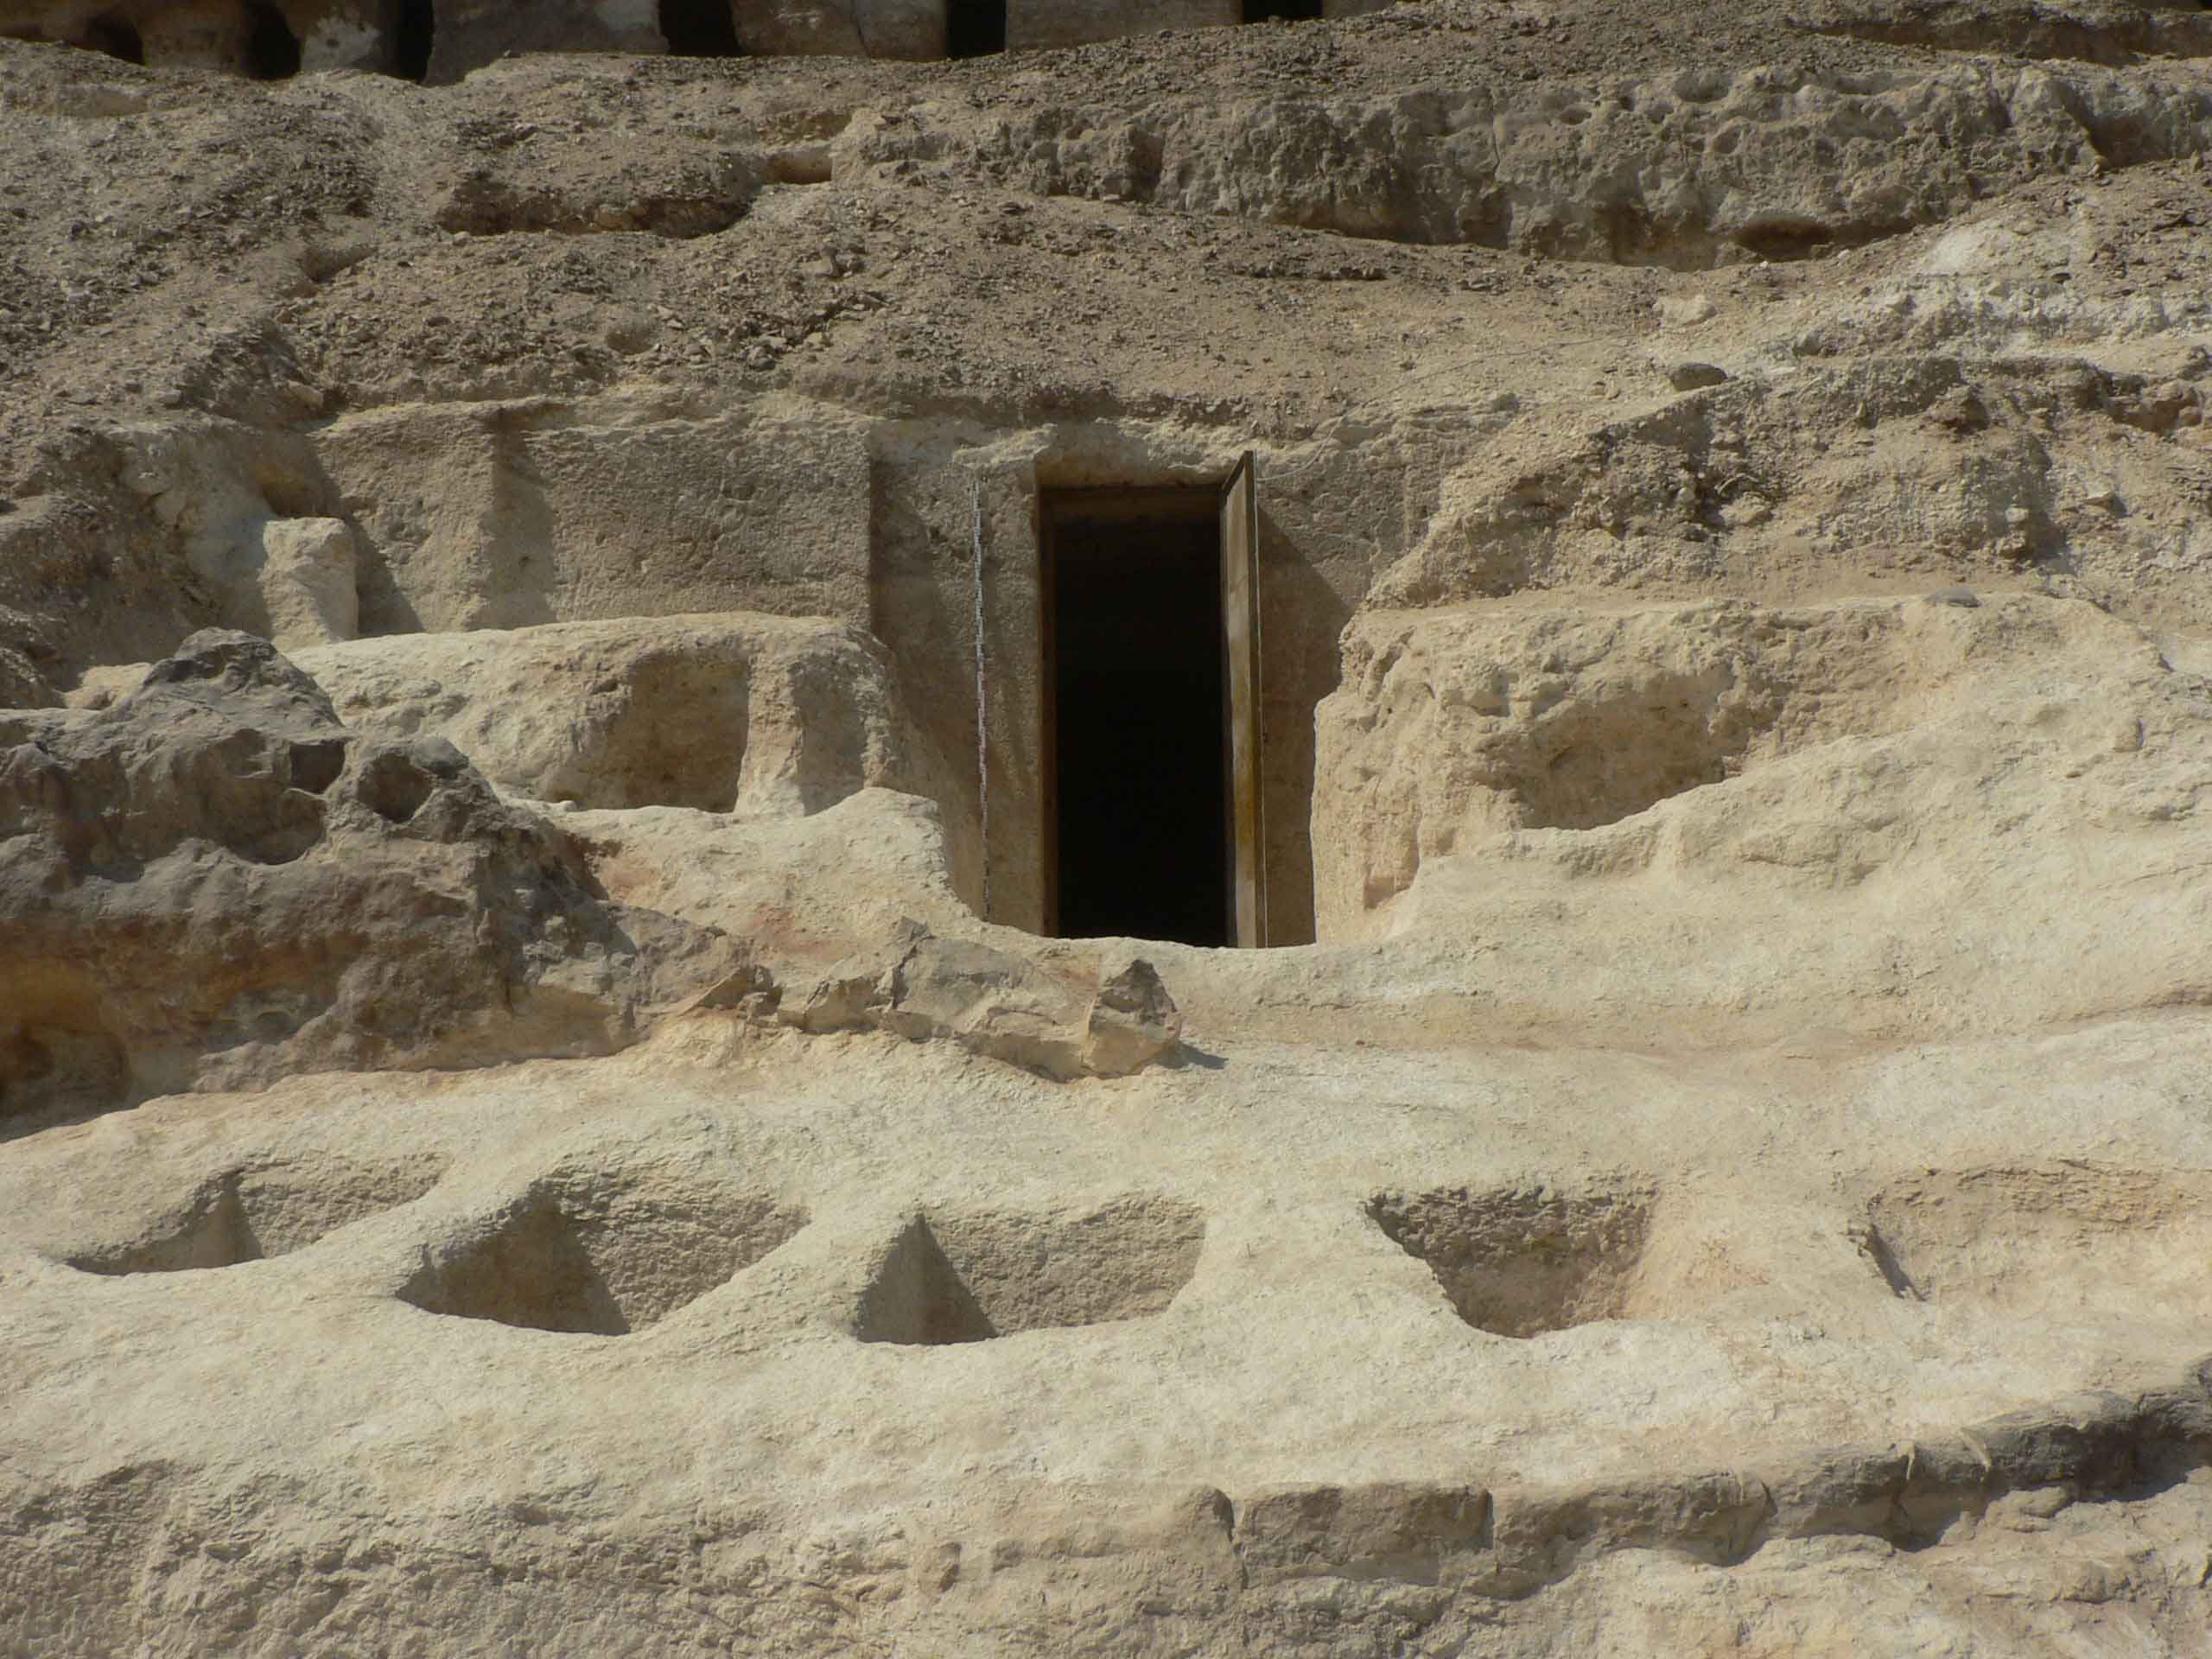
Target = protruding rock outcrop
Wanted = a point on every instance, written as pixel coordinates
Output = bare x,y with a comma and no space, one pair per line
1045,1016
214,883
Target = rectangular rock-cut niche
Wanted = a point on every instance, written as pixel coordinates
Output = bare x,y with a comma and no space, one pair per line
951,1278
258,1212
1525,1260
601,1255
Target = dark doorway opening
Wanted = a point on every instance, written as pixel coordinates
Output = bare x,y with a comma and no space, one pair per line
1138,805
272,51
700,29
1283,11
974,29
413,32
116,37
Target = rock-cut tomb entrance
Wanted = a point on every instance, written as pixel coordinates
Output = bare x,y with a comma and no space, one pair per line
1151,730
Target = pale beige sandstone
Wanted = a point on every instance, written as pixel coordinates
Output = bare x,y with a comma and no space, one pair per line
750,715
1624,1464
750,877
1733,1174
1051,1017
745,713
1711,164
1240,1339
309,588
1882,792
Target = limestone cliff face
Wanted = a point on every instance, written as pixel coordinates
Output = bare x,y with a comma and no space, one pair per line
543,1110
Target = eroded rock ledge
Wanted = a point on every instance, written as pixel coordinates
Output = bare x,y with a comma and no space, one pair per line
1704,168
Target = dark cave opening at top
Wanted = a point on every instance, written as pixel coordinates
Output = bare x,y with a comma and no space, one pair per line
1283,11
116,37
974,29
414,30
272,51
700,29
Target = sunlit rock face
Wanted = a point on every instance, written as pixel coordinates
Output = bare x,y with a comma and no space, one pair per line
1234,833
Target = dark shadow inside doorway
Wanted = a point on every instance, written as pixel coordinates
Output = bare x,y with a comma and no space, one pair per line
1136,717
975,29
